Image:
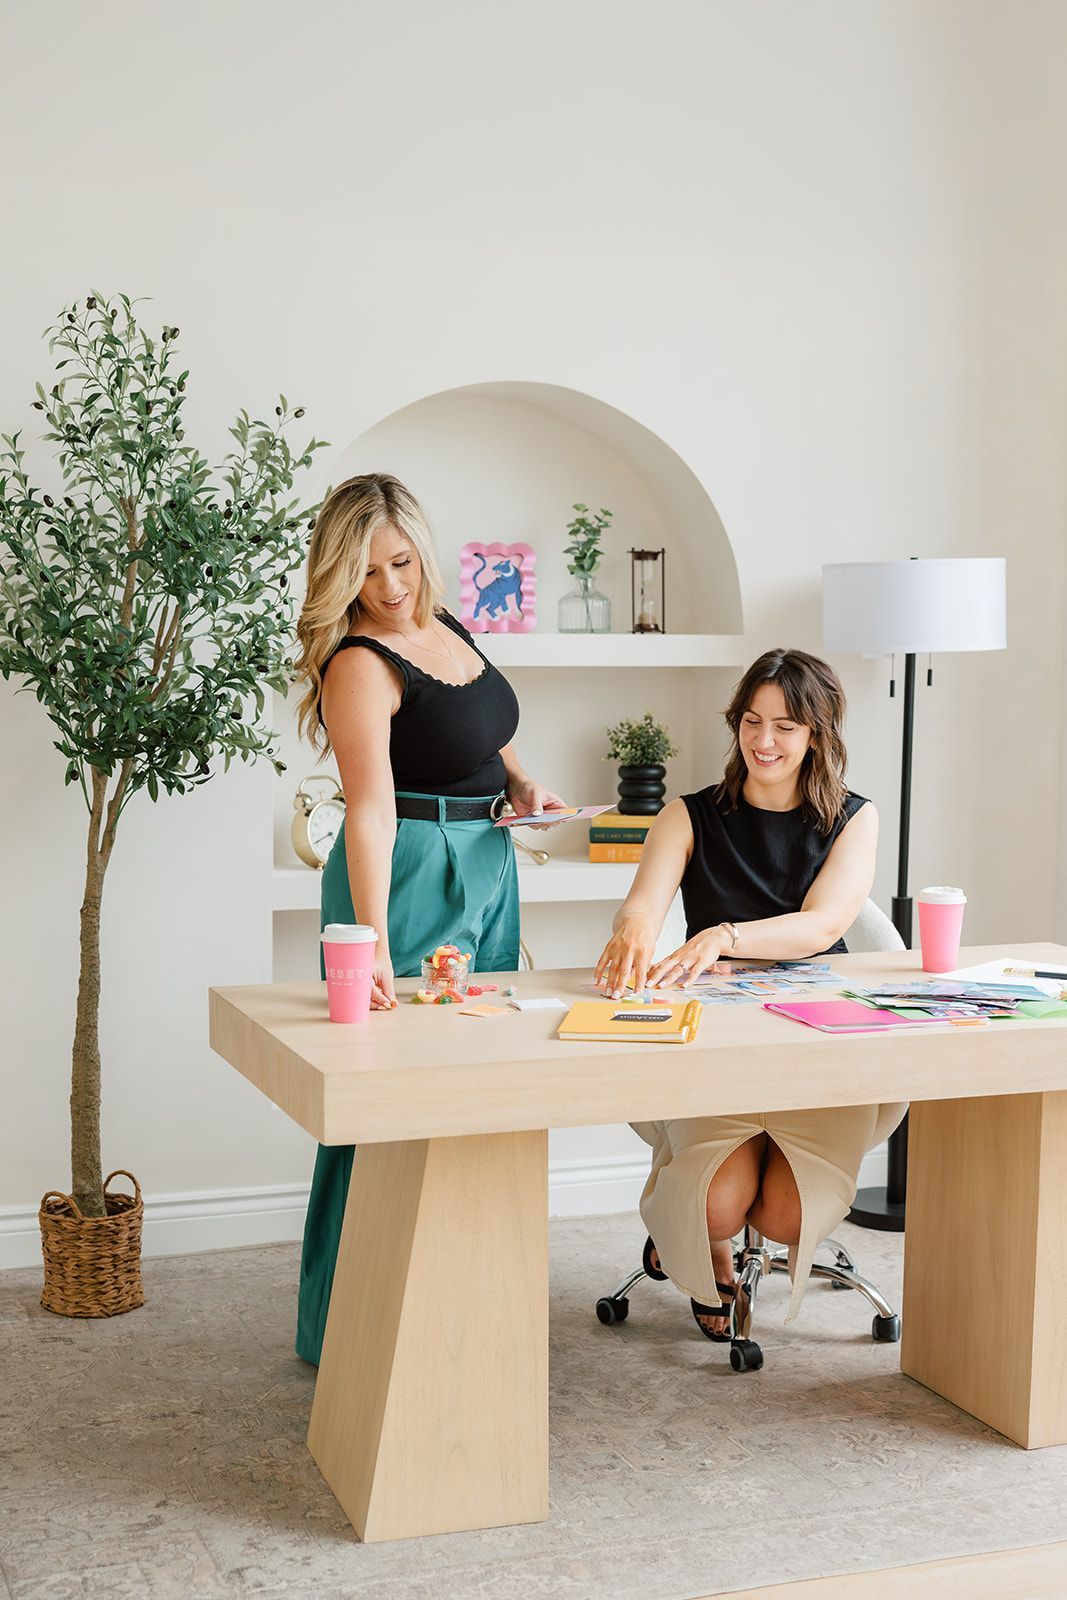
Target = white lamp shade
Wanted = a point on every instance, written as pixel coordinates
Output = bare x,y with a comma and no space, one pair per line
883,608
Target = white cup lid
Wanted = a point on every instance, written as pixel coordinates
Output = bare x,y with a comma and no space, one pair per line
941,894
348,933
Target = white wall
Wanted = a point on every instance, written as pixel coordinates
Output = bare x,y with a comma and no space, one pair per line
819,251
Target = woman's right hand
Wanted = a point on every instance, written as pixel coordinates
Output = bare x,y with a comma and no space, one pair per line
382,994
627,954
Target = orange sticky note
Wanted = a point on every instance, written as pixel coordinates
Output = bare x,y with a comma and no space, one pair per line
481,1011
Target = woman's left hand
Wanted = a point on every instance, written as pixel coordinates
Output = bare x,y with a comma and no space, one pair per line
526,798
700,954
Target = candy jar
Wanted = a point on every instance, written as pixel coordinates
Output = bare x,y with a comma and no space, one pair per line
444,972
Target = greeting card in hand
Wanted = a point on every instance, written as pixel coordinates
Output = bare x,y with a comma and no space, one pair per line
540,818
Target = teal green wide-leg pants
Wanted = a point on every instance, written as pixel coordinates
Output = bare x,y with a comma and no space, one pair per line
452,883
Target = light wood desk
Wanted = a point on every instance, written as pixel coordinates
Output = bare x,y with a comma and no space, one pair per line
431,1408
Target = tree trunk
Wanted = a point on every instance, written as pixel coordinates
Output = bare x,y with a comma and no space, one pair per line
86,1177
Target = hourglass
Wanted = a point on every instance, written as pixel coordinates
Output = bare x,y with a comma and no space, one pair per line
646,590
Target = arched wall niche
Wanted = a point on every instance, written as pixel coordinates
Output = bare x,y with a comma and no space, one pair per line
507,460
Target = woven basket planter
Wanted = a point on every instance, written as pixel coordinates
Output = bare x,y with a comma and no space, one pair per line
92,1265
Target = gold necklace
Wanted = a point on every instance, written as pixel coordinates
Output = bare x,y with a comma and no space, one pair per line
445,654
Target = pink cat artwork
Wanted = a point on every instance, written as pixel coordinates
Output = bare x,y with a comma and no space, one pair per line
497,588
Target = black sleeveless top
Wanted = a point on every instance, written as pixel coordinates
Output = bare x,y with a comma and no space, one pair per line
446,738
747,863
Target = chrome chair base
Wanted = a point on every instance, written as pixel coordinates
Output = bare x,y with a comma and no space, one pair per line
753,1261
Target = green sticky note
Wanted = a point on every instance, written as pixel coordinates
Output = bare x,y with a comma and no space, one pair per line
1042,1008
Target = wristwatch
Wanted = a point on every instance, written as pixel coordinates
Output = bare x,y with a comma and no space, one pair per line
735,935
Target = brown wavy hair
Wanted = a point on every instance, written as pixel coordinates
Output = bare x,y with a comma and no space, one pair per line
814,699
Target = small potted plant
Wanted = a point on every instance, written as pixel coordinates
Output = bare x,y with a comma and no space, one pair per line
640,745
584,609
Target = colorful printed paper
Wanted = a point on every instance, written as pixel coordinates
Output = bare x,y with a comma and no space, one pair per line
540,818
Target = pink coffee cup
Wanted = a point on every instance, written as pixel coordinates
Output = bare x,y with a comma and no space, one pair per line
348,956
940,922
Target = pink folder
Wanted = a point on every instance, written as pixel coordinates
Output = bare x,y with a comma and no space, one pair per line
843,1016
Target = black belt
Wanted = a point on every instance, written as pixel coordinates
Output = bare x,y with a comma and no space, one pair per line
437,808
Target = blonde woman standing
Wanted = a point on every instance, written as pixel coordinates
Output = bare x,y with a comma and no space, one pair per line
421,725
774,862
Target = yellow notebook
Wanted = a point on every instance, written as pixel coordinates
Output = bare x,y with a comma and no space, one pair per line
614,1019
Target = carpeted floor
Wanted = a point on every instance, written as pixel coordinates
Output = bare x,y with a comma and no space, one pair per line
160,1455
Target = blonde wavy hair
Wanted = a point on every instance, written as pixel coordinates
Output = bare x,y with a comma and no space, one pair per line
338,559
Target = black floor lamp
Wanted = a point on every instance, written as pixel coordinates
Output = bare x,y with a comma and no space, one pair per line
909,608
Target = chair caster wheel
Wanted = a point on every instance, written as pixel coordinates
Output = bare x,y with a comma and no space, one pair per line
646,1261
745,1356
610,1311
886,1330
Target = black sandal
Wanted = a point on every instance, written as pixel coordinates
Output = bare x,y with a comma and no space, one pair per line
646,1261
728,1292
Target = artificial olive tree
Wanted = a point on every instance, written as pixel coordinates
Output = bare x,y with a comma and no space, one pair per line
144,601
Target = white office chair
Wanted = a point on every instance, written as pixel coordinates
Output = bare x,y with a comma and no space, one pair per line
872,930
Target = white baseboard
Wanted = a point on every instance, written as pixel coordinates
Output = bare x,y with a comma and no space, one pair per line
181,1224
225,1219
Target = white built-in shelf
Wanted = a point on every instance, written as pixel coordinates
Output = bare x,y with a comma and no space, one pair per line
613,649
574,880
298,888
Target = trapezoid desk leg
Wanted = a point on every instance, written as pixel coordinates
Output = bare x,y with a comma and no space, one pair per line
431,1407
985,1260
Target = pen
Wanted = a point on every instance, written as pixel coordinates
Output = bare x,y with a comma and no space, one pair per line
1035,972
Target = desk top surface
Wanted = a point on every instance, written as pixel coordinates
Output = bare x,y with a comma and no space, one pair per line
427,1071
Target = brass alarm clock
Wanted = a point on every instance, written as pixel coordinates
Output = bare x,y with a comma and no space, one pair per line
317,821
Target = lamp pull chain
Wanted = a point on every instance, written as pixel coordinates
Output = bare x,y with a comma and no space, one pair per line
893,679
929,671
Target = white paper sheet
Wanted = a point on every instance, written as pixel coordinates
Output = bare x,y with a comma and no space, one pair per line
995,972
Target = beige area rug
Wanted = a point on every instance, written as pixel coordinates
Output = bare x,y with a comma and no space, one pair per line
160,1455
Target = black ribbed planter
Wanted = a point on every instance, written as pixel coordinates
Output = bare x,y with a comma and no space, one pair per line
641,790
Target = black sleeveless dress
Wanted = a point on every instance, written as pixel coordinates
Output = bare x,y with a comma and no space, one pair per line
446,738
748,864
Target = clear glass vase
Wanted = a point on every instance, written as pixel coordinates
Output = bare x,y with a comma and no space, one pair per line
584,609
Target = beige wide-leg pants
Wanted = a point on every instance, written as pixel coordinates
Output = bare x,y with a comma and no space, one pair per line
824,1149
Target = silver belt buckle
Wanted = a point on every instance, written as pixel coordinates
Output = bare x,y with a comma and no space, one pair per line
501,802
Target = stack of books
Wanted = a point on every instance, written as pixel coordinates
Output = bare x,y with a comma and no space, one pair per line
613,836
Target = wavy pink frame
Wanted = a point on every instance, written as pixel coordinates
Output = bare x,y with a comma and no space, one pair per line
509,618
